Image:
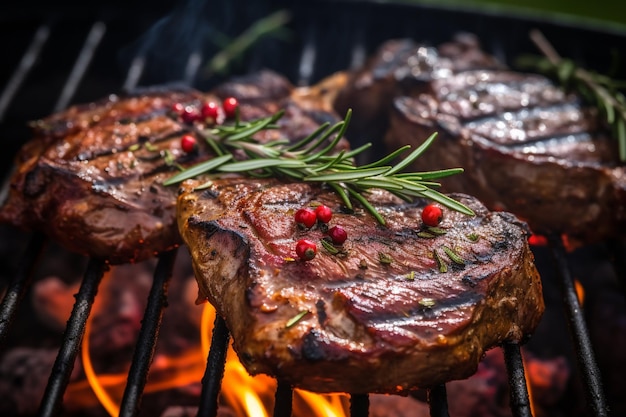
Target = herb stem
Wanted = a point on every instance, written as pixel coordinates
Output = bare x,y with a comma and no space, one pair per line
326,166
602,88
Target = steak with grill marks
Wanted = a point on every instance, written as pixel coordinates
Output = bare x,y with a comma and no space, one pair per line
397,307
526,147
91,178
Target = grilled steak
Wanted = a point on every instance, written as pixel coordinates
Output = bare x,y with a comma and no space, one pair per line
526,147
398,307
92,176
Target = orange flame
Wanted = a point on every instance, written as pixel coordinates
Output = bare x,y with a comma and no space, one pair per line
253,396
248,396
580,291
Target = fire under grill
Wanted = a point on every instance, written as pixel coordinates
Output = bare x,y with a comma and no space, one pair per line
56,58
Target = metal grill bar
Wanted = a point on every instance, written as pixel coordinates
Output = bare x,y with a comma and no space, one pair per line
283,400
578,331
438,401
146,343
134,72
520,402
20,282
80,67
23,69
307,59
212,379
359,405
64,363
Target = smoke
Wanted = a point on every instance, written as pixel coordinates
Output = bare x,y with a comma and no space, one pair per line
178,45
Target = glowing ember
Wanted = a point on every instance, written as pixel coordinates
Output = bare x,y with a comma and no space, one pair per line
537,240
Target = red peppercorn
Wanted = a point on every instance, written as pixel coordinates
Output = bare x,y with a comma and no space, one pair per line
210,111
190,114
230,105
338,235
188,143
432,215
323,213
306,249
178,108
305,217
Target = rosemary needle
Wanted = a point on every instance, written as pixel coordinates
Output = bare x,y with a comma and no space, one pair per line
314,159
599,89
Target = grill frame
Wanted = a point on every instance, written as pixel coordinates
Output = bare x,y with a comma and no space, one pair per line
302,64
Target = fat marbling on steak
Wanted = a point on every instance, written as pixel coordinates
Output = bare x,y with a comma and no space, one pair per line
398,307
92,176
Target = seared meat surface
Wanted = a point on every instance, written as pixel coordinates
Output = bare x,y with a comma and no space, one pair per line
398,307
399,67
526,146
92,177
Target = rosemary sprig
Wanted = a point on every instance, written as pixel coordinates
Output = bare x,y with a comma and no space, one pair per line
599,89
313,160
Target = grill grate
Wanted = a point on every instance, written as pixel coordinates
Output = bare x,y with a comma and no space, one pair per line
311,63
579,333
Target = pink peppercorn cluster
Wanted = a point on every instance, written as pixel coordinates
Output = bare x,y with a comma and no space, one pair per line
307,217
208,112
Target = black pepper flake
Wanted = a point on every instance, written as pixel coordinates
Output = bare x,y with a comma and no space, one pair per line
467,280
320,306
312,347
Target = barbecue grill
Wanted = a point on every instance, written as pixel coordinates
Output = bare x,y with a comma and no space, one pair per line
58,56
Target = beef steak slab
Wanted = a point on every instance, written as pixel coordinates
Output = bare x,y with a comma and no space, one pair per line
526,145
92,176
396,307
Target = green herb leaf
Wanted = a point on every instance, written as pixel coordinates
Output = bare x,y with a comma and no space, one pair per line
329,247
199,169
301,162
384,258
295,319
441,264
453,255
